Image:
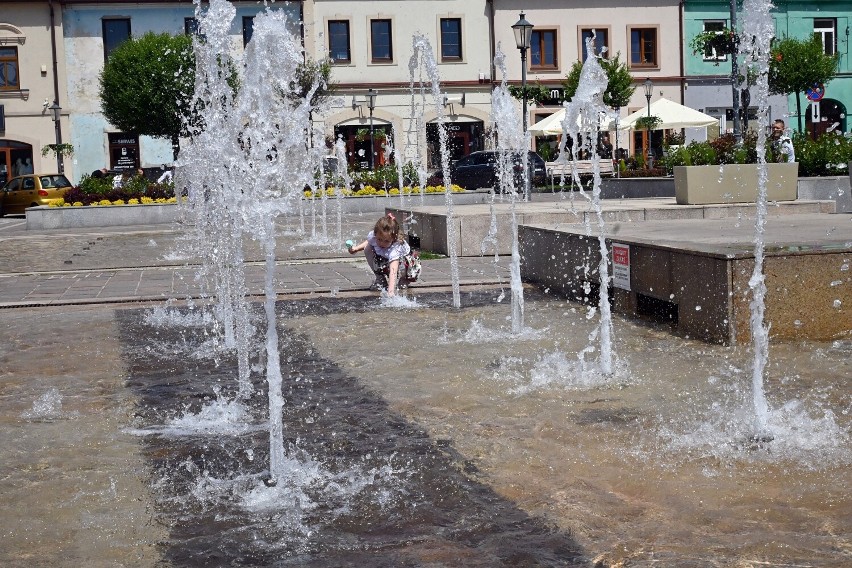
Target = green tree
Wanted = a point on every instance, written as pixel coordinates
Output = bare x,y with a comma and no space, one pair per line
619,86
146,86
312,73
795,65
537,93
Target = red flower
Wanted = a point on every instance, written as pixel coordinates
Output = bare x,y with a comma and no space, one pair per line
778,57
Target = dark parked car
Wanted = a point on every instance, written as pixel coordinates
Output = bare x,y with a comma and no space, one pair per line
480,169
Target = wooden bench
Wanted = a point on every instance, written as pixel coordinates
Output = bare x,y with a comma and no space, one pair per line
584,168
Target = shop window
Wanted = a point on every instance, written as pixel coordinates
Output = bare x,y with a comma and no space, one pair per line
710,53
601,40
451,46
248,29
338,41
826,30
115,32
643,47
381,41
9,80
543,50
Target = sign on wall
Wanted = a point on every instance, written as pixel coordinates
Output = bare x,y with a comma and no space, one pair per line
621,266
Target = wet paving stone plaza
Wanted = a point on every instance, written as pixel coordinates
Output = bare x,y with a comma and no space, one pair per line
416,435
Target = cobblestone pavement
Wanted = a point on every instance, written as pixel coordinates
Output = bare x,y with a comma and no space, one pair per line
124,264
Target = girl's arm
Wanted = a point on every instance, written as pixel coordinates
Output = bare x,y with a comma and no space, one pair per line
392,276
359,247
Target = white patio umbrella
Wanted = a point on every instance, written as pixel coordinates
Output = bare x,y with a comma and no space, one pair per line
552,125
673,116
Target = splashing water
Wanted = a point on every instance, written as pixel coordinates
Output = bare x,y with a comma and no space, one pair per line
758,25
512,142
244,166
581,124
424,58
48,407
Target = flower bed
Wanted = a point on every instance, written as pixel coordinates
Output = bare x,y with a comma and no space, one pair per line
144,200
370,191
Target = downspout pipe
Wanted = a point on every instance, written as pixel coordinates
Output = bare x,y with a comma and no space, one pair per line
492,70
58,123
682,53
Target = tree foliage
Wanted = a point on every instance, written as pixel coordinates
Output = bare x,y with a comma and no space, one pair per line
796,65
619,86
308,75
147,83
537,93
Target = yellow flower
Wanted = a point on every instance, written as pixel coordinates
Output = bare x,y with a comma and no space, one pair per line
118,202
104,202
394,191
78,204
171,200
147,200
133,201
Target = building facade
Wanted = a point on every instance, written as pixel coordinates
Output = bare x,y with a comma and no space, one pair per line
647,37
52,53
32,88
92,30
709,88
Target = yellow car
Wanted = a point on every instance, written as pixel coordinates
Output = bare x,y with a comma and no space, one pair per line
30,191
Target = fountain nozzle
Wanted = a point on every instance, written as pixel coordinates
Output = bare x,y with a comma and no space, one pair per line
270,482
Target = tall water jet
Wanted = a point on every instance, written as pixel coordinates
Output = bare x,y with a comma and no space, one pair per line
246,165
205,161
424,59
582,119
757,33
512,143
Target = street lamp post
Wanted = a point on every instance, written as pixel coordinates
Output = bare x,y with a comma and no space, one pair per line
523,32
649,87
615,149
371,104
55,109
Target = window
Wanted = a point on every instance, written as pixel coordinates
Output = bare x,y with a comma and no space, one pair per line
248,29
643,47
9,69
381,42
826,31
190,26
601,40
543,49
115,32
338,41
451,46
710,52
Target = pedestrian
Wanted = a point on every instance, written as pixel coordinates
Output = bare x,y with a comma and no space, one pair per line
782,145
605,147
385,249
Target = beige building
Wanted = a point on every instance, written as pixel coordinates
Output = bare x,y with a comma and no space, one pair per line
32,83
647,35
371,45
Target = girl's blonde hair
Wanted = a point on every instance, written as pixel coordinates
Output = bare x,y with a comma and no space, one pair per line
388,225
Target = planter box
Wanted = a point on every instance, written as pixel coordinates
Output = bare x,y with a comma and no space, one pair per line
41,218
733,183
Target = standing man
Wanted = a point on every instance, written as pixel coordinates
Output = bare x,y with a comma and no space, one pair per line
782,146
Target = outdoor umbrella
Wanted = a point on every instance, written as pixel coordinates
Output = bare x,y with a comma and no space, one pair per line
672,115
552,125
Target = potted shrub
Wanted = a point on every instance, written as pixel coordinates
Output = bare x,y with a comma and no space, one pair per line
722,171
